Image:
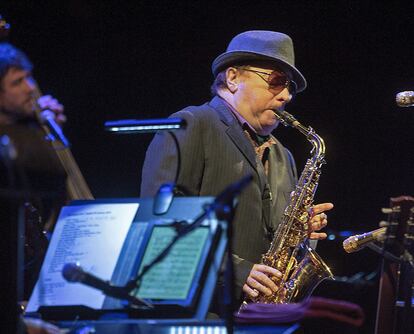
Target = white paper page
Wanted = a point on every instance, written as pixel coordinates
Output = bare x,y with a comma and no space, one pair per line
93,236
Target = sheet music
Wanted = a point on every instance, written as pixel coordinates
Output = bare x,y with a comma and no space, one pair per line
91,235
171,278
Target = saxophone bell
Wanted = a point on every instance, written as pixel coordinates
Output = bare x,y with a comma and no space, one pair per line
308,274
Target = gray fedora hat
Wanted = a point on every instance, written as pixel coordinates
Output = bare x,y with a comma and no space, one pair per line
261,45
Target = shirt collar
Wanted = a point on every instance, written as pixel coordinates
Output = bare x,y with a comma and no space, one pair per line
247,127
242,121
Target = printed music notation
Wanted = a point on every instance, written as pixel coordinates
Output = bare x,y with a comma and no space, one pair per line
171,279
91,235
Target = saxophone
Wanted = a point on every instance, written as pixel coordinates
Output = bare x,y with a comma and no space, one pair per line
301,267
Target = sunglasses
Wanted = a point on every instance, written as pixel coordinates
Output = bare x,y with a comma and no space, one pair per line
277,81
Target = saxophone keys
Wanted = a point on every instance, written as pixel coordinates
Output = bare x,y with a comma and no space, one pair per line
304,217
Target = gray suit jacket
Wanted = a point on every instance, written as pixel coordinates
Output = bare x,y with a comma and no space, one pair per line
215,152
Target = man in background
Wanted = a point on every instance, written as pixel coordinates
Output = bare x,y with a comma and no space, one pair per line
18,89
21,109
29,166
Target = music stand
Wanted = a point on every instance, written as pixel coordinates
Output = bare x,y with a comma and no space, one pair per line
146,228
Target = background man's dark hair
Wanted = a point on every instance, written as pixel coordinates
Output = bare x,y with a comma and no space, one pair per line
12,57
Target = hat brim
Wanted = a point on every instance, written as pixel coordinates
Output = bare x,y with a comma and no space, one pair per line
233,57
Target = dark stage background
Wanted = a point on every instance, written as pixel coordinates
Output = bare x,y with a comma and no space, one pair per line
146,59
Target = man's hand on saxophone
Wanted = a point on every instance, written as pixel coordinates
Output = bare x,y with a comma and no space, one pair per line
258,281
319,220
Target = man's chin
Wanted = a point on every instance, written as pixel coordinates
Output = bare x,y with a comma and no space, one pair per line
28,109
23,113
267,130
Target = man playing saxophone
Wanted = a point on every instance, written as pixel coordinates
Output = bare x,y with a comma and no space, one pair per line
230,137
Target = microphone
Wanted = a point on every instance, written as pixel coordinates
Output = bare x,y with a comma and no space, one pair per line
405,99
359,241
47,117
74,273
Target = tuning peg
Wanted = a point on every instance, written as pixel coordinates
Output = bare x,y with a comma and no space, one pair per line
383,223
391,210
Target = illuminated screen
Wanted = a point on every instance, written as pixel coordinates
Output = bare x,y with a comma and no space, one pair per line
172,278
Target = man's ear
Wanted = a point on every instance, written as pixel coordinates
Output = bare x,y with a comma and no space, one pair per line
232,79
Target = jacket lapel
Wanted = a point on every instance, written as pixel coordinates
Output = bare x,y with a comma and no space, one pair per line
234,131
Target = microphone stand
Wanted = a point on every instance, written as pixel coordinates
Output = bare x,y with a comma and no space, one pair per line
226,212
381,251
182,230
72,271
224,208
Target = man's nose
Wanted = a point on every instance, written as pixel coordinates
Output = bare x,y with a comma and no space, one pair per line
285,95
30,85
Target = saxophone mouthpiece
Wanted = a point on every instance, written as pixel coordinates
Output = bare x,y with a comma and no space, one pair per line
286,118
